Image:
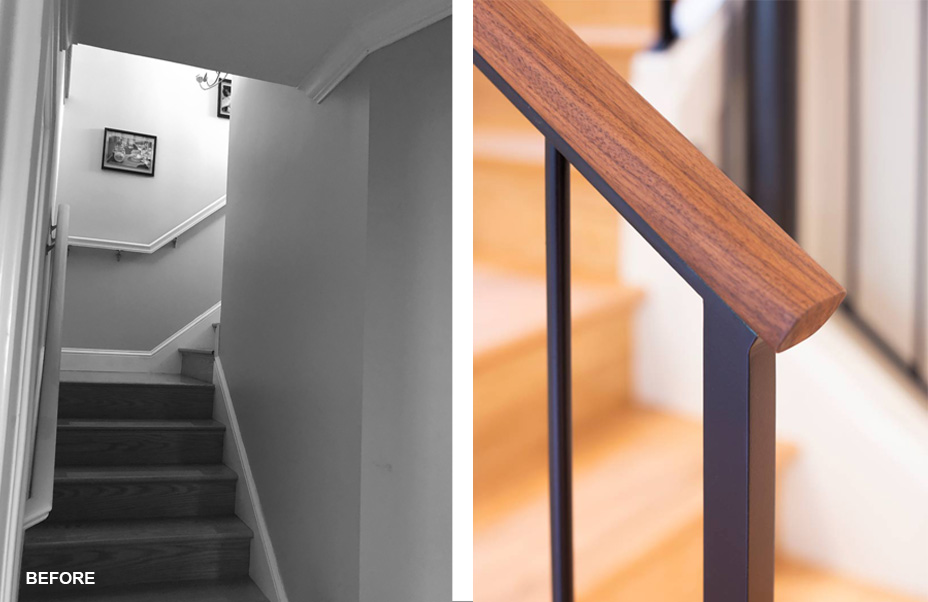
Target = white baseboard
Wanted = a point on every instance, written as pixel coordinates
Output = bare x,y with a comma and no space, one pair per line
263,570
162,359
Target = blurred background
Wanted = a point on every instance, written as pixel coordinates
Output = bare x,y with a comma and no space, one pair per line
819,111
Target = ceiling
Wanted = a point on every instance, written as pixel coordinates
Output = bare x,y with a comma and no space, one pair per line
311,44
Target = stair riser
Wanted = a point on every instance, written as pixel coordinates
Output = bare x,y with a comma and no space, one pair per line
135,447
197,365
131,564
512,390
134,402
115,501
509,221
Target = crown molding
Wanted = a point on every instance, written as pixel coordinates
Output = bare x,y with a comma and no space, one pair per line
139,247
377,31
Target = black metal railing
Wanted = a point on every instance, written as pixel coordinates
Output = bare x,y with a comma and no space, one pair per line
738,402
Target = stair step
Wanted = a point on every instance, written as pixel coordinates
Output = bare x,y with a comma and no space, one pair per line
133,396
119,493
86,442
637,509
140,552
641,14
239,590
509,210
197,363
510,366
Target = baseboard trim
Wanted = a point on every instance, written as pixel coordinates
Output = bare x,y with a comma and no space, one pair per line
379,30
264,570
161,241
163,358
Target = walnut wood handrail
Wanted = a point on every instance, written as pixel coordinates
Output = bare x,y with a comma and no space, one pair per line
716,230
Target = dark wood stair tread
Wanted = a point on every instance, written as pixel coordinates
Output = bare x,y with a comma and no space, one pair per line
193,351
141,425
148,379
90,533
240,590
148,474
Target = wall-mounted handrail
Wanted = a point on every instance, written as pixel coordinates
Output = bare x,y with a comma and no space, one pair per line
160,242
39,502
761,292
714,228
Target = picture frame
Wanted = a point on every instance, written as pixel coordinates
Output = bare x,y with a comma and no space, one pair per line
224,99
129,152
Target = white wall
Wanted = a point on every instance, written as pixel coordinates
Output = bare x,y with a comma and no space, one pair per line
111,89
293,321
336,322
140,301
888,174
406,413
855,499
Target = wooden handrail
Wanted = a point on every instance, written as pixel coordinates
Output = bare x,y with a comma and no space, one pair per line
780,292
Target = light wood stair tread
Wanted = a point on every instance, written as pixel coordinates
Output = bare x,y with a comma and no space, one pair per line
141,425
630,13
147,379
509,307
637,484
242,590
148,474
88,533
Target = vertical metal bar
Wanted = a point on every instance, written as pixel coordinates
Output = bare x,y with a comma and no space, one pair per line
668,35
557,202
772,109
739,459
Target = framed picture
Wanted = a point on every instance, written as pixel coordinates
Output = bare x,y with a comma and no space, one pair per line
224,100
130,152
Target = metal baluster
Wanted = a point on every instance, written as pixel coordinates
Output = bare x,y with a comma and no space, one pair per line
557,197
739,458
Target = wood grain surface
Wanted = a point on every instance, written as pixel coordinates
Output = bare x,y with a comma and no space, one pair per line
740,253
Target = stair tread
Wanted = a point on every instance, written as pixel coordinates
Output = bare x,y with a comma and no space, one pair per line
150,379
97,474
127,532
141,425
607,36
497,292
637,483
509,145
191,350
241,590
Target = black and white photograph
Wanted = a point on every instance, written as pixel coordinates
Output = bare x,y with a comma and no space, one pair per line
130,152
225,351
470,301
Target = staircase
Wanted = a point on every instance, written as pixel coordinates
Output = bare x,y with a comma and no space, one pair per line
637,472
141,496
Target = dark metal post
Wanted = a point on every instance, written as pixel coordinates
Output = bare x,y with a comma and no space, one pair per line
668,35
772,34
557,201
739,459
